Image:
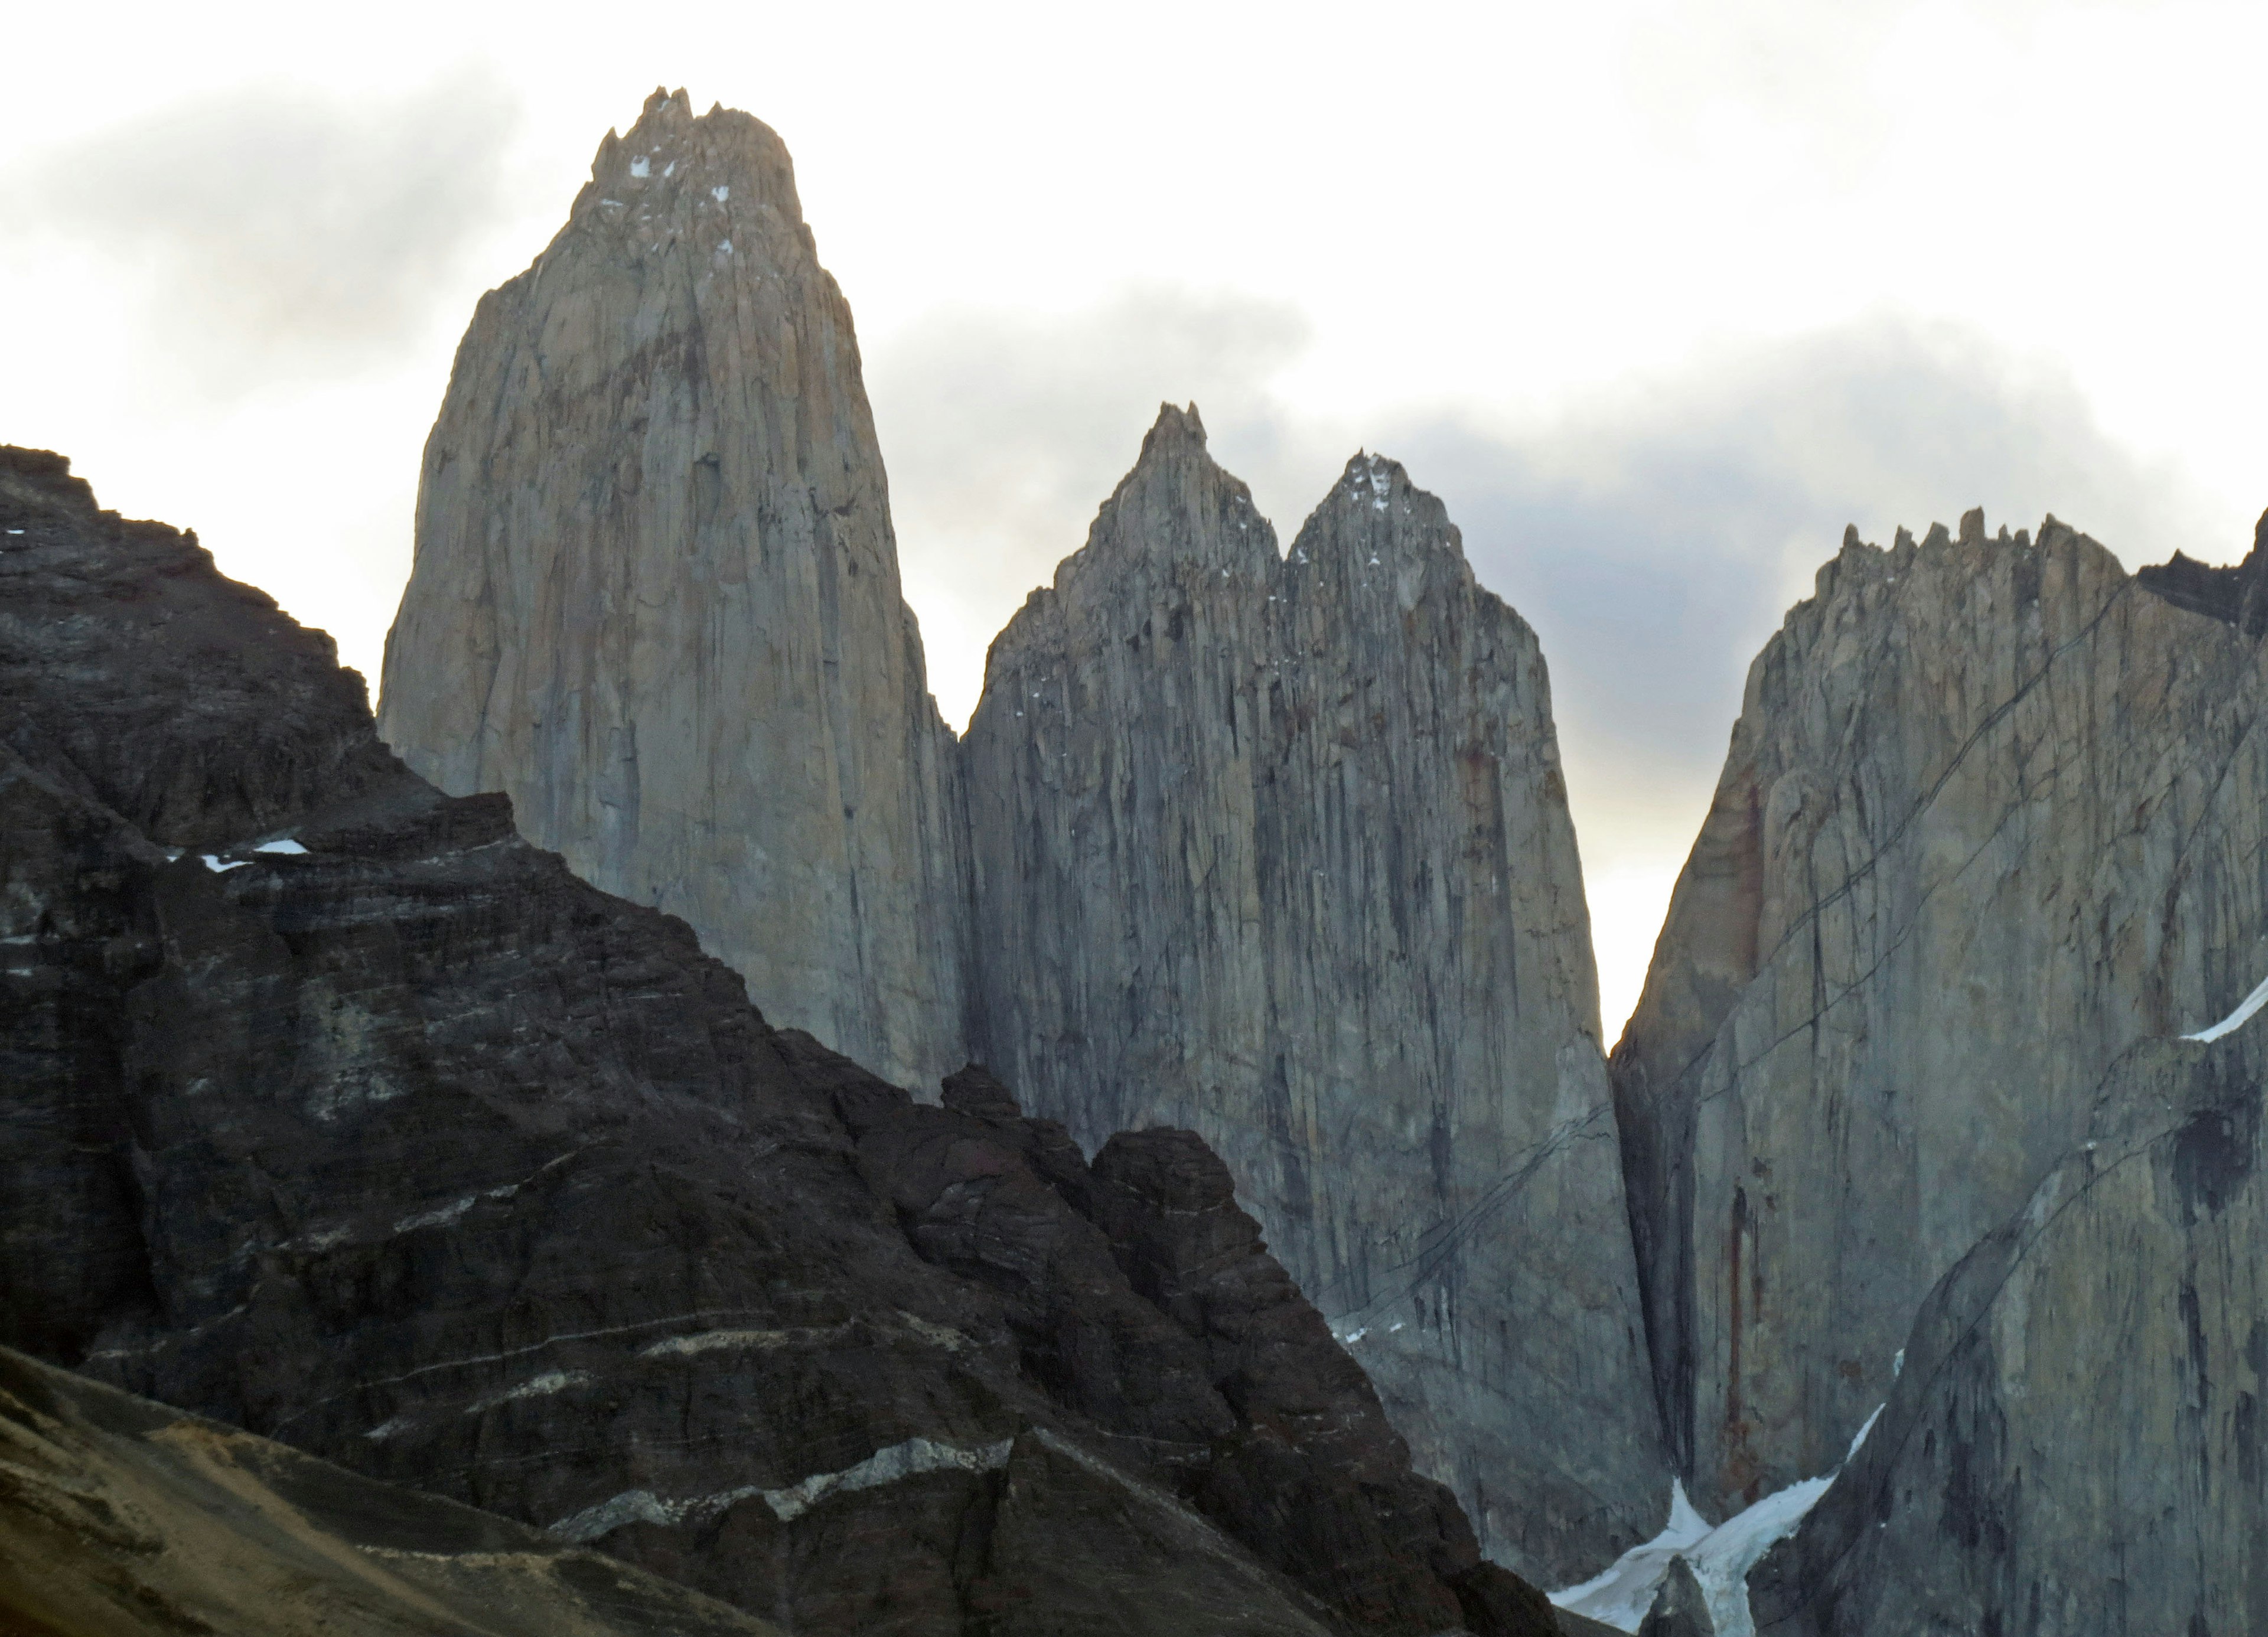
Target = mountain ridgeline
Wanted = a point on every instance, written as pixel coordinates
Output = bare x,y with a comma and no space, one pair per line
1271,847
1296,1261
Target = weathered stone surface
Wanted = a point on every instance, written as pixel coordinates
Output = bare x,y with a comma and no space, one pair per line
655,597
383,1135
1274,847
1993,814
2074,1446
120,1517
1680,1608
2236,595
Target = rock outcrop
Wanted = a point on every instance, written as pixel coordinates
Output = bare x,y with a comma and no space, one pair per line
123,1517
337,1113
1681,1609
655,597
1274,847
1992,815
2074,1445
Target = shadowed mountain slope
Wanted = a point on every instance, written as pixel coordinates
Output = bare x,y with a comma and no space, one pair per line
338,1113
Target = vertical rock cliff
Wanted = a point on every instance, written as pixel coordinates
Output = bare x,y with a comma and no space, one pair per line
1275,847
655,597
2074,1445
1993,813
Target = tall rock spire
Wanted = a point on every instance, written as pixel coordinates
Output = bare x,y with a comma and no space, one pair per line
1992,817
1276,848
656,597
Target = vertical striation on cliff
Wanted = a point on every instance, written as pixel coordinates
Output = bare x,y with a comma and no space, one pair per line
1276,848
655,597
1993,814
2074,1444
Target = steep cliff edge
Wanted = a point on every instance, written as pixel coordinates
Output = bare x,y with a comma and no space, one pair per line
655,597
1275,846
369,1128
1993,814
2074,1444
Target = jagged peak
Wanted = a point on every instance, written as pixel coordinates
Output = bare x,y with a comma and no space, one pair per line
1176,432
1375,516
1177,502
2236,594
676,176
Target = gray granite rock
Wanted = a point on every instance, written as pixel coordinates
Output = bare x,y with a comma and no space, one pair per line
655,597
1993,813
2074,1445
1681,1609
1275,846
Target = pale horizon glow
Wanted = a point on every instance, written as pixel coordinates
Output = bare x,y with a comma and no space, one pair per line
1657,294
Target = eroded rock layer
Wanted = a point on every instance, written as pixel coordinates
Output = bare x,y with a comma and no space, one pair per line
336,1111
122,1517
1993,814
1275,846
655,597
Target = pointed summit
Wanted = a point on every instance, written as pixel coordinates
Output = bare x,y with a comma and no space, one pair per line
654,486
1175,431
1375,521
1176,512
1277,850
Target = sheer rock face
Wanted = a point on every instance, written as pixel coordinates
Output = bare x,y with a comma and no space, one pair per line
2074,1445
1275,847
369,1128
655,597
1993,814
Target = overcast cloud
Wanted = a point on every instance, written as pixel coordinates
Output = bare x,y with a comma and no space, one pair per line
271,234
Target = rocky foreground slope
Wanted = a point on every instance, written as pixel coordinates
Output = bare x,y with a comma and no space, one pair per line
1276,847
338,1113
655,596
1991,833
122,1517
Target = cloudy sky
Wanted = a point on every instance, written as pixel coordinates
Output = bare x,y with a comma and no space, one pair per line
1657,294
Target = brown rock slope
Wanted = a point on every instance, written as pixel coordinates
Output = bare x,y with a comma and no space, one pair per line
121,1518
655,596
1275,846
1993,814
336,1111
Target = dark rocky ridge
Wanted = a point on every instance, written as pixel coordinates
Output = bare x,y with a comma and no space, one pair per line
2236,595
411,1150
122,1517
